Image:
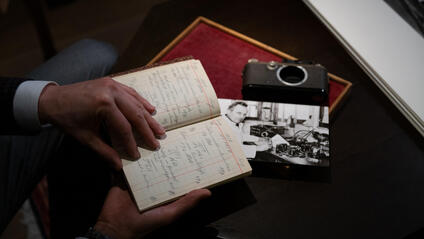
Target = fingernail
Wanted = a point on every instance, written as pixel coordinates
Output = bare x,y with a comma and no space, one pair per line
163,136
137,155
157,148
154,112
162,129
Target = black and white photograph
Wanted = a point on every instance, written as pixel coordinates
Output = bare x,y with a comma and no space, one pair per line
280,133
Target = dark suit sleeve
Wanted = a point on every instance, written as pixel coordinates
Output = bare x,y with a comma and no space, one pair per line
8,88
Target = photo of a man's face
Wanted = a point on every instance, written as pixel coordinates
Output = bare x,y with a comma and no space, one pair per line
237,113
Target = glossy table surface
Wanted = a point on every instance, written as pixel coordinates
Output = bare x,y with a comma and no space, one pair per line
377,157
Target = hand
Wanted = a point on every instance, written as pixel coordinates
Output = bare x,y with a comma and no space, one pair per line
120,218
82,109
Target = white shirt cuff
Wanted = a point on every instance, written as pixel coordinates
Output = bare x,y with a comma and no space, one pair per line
25,104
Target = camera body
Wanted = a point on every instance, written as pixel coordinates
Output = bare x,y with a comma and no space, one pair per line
268,131
287,82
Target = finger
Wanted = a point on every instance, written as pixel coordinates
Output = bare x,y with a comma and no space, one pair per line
157,128
188,201
104,150
121,134
149,107
135,113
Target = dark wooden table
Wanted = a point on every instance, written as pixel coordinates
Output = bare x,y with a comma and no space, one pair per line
377,158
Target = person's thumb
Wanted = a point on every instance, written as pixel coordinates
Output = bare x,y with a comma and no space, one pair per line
182,205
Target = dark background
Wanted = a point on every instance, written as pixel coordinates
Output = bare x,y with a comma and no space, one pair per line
377,157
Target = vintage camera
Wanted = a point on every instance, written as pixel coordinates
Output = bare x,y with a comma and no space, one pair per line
266,130
288,82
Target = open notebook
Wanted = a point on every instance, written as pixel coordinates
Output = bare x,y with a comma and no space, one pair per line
200,149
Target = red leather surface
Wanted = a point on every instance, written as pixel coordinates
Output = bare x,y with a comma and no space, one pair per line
223,56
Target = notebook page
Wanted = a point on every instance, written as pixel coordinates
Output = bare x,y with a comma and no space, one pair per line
195,156
181,92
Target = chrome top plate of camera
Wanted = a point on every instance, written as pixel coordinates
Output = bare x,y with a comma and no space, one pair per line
272,65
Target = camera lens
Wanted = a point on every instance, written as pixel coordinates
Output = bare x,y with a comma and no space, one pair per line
292,75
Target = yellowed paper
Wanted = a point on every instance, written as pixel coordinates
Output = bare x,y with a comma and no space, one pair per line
181,92
195,156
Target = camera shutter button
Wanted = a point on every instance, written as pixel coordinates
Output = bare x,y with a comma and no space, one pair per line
272,65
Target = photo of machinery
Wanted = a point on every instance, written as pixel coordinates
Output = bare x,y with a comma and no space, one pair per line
280,133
